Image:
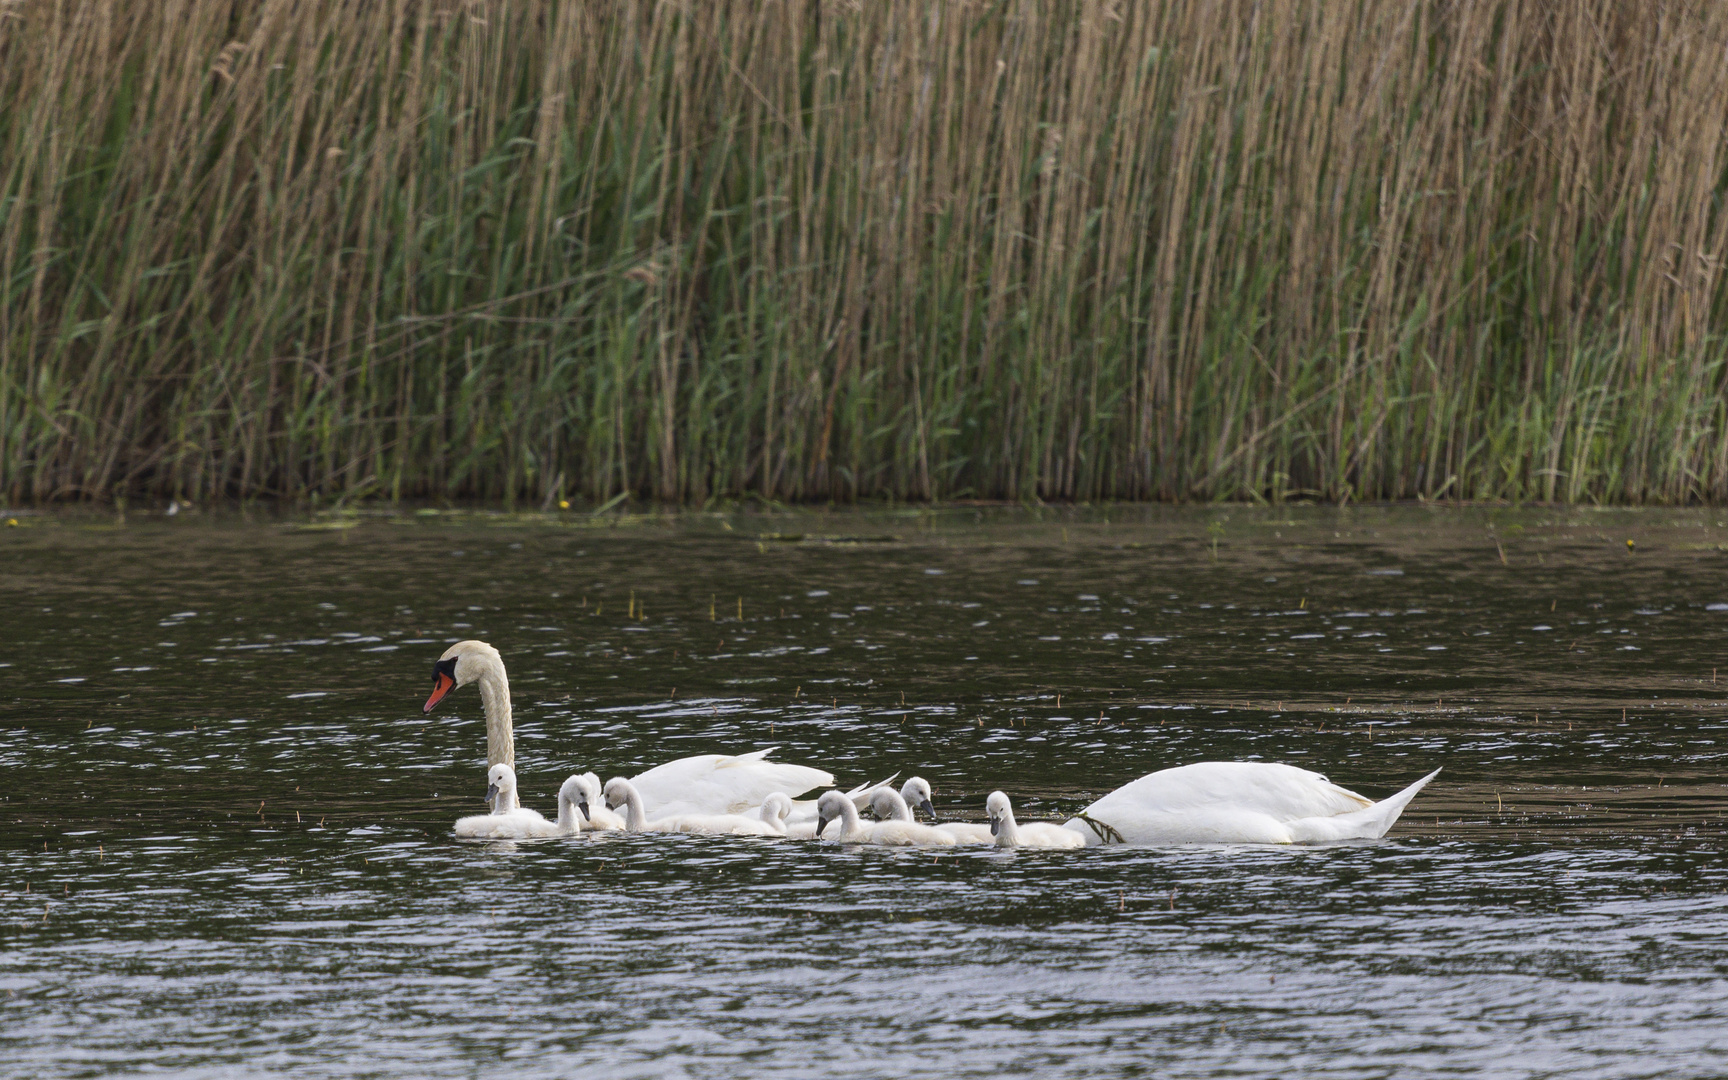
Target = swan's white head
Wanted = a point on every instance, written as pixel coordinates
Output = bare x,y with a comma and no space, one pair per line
501,785
1000,812
916,792
461,664
776,808
831,806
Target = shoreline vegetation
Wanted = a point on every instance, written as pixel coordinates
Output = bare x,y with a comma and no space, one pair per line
1028,249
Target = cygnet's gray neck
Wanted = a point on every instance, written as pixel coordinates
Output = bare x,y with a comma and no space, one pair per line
635,817
569,817
849,820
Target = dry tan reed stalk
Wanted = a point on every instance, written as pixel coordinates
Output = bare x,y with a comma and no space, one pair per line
913,249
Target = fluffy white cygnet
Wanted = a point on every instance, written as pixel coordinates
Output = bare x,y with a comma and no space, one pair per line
621,792
1041,834
838,819
595,817
803,812
889,805
507,821
775,809
916,792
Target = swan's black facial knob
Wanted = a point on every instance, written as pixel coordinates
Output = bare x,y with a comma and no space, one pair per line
443,681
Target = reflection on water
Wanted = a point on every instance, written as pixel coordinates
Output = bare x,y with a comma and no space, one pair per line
226,821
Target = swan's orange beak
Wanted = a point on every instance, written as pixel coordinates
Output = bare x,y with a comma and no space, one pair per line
441,684
443,681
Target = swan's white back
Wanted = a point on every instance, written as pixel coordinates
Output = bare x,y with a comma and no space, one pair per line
1239,802
722,784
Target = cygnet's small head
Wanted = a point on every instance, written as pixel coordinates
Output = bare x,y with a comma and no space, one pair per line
830,806
884,805
617,792
916,792
587,787
999,810
776,807
500,783
461,664
571,792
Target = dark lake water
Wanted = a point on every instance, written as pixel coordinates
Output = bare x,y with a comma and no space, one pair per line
225,840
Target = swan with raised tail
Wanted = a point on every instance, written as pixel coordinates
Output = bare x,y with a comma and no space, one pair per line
1238,802
509,821
703,784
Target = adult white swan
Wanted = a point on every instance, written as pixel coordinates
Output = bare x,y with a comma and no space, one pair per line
890,805
621,792
834,807
1041,834
1238,802
509,821
706,783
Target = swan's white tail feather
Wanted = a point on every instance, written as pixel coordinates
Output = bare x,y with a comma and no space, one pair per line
1371,822
869,786
754,757
793,780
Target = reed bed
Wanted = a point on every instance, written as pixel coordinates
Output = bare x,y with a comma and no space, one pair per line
908,249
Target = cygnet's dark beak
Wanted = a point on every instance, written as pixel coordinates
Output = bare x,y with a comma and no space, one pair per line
582,805
995,826
928,809
491,794
821,823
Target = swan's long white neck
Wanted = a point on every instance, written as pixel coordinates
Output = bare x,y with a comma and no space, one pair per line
495,702
1008,830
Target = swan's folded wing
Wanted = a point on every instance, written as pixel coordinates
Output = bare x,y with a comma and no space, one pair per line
718,784
1281,792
